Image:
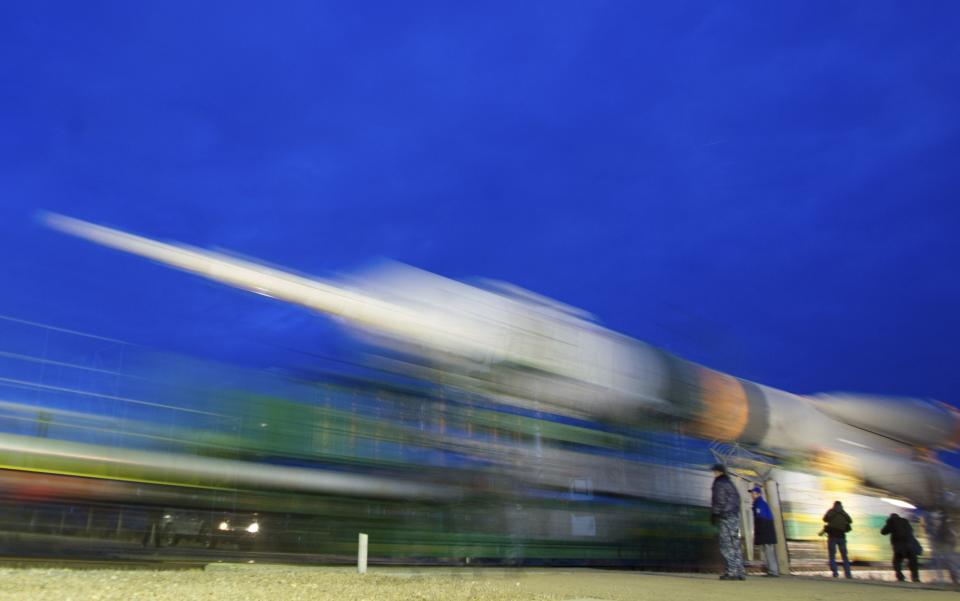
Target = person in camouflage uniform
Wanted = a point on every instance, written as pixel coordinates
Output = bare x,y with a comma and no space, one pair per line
725,514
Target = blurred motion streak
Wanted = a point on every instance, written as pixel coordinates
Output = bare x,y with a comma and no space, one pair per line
492,425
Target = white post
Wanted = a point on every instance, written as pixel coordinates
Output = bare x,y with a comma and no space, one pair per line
362,555
746,516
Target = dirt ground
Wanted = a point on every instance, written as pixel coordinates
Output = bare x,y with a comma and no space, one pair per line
279,583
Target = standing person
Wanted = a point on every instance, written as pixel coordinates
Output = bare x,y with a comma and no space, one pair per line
940,533
764,533
838,523
903,543
725,514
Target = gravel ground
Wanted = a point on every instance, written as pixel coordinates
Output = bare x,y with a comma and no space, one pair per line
279,583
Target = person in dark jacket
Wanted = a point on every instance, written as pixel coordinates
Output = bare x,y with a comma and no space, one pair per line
725,514
838,523
764,533
903,543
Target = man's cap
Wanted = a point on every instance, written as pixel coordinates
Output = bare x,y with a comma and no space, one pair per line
756,489
719,467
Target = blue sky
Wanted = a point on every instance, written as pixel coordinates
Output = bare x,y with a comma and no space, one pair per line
768,188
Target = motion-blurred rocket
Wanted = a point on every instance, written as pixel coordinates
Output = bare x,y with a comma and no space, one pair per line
528,350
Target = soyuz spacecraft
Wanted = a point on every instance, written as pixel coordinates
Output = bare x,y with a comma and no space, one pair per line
533,351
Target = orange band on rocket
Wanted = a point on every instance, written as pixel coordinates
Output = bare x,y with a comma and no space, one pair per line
725,409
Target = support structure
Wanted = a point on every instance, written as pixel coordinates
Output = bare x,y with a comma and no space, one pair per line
773,499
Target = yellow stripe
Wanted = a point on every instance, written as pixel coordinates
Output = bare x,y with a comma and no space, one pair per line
17,468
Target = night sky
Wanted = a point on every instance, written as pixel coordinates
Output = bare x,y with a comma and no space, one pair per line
768,188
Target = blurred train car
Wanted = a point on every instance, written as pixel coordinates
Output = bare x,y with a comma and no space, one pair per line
105,441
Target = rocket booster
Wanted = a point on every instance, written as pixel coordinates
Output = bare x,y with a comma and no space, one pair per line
528,348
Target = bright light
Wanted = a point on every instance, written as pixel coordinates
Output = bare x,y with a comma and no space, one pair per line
253,528
898,503
224,526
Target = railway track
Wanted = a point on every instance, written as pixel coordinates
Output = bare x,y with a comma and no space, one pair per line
73,563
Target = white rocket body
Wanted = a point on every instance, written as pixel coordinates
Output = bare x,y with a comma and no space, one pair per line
531,349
